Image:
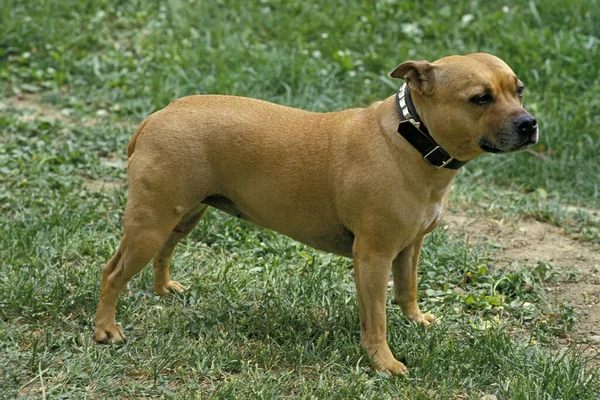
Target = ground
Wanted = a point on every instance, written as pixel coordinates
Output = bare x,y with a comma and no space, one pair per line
527,241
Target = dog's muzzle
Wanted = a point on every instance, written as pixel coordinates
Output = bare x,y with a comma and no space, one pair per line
527,127
523,132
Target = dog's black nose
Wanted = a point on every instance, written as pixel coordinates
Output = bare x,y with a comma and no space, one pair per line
526,124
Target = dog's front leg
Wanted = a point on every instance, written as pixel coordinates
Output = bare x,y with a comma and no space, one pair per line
371,274
404,270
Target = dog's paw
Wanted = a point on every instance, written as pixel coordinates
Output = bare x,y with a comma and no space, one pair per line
429,319
109,334
388,365
393,367
424,319
382,360
170,288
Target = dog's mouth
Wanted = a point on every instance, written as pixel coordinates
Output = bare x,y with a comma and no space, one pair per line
486,145
489,147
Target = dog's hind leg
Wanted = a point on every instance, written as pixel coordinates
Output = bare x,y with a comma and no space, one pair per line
163,285
148,224
404,271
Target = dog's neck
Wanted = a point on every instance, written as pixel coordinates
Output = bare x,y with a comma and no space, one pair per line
411,127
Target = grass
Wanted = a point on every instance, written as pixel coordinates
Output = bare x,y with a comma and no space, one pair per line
266,317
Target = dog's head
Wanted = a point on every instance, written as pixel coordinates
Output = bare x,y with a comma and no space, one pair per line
470,104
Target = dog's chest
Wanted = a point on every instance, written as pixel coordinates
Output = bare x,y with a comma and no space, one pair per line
433,216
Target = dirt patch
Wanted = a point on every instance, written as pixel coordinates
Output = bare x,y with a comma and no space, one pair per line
102,185
31,107
527,241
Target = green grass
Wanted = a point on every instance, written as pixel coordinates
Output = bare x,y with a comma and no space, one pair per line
266,317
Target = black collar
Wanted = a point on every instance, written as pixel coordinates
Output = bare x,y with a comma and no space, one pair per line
414,131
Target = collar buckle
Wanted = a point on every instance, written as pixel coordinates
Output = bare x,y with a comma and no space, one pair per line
439,157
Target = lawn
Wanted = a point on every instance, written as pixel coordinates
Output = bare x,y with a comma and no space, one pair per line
266,317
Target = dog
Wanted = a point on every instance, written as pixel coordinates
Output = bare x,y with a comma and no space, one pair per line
367,183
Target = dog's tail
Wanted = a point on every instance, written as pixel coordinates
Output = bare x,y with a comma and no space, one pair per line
133,140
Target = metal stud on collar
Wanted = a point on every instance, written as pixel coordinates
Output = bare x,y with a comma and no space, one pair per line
404,107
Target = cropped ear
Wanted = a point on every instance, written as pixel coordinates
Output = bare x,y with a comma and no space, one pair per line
417,74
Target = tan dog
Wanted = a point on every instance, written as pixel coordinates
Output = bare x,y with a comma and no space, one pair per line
344,182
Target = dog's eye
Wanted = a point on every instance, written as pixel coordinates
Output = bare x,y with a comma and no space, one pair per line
481,99
520,90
